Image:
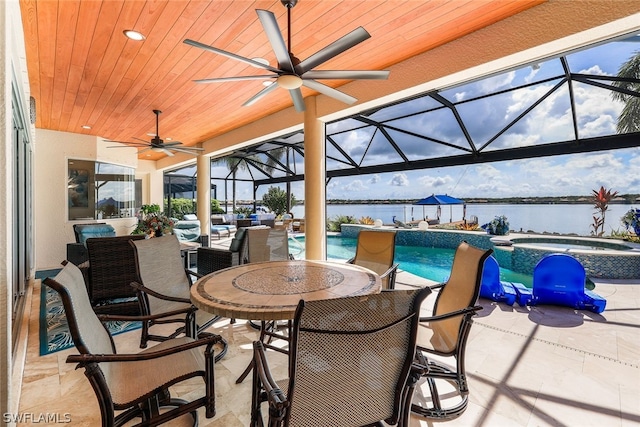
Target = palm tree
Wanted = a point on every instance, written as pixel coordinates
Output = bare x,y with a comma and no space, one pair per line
629,120
234,164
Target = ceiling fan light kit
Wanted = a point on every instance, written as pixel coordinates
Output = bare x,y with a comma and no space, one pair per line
157,144
289,81
291,73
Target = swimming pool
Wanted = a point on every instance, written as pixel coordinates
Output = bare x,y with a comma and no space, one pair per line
429,263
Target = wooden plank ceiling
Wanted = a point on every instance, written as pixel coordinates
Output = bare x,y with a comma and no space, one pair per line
84,71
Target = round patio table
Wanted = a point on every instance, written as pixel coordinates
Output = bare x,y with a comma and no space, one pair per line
271,290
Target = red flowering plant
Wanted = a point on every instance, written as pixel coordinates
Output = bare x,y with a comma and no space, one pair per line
158,223
600,199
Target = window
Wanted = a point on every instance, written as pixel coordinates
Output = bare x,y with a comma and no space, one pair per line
100,190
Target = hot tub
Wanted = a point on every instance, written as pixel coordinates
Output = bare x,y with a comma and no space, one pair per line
601,258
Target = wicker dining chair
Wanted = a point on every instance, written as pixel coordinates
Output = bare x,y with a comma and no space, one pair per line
111,269
445,332
130,386
213,259
376,251
349,363
163,291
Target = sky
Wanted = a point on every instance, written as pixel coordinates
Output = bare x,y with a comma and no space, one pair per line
551,121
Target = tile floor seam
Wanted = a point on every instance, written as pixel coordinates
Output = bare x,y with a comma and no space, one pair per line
611,359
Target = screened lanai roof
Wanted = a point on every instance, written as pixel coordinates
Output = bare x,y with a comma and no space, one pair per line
577,102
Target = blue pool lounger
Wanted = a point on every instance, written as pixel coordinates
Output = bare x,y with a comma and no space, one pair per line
493,288
559,279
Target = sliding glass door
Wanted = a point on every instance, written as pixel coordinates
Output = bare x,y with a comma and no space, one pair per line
22,238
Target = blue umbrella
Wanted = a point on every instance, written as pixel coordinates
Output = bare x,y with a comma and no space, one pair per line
440,199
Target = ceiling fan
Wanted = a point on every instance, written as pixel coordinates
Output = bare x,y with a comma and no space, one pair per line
158,144
291,73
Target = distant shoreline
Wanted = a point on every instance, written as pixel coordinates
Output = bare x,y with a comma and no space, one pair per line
582,200
625,199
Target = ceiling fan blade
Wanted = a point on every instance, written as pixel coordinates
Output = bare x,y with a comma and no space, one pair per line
127,146
231,55
144,149
344,43
260,94
136,144
168,153
171,144
234,79
329,91
182,150
298,100
346,75
272,30
143,140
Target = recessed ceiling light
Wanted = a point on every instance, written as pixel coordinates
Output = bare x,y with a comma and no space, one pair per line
86,127
134,35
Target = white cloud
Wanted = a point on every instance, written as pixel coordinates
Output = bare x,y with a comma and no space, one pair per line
374,179
487,171
435,182
594,70
493,84
356,185
399,180
459,96
594,161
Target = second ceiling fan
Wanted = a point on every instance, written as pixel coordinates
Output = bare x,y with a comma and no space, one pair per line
291,73
157,144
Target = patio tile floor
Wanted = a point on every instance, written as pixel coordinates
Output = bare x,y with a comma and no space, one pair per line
535,366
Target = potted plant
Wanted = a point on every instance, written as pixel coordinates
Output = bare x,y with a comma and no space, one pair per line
631,219
499,226
153,222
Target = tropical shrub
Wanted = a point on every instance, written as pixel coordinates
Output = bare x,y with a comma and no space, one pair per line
366,220
468,226
499,226
215,207
631,220
334,224
179,207
275,199
243,210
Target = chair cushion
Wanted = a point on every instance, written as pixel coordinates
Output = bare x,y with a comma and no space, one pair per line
187,231
189,217
87,231
236,242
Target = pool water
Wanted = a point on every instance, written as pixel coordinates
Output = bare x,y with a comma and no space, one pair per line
429,263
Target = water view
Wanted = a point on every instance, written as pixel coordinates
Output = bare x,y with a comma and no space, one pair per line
558,218
430,263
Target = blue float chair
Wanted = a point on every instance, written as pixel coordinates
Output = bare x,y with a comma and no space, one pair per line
492,287
559,279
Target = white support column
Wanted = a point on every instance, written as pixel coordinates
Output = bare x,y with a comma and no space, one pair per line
314,183
204,194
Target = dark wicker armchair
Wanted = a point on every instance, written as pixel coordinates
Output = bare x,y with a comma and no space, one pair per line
111,269
77,252
132,386
349,363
